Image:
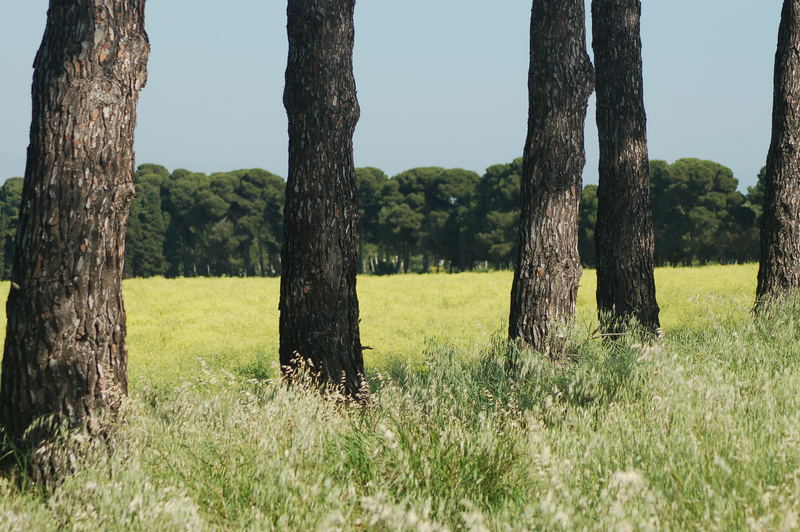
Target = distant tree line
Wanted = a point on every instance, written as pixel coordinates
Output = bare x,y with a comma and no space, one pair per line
191,224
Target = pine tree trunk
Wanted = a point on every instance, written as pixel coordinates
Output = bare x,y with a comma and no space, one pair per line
65,351
318,304
624,232
780,221
560,82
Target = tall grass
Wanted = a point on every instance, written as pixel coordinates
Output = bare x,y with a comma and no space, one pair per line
701,431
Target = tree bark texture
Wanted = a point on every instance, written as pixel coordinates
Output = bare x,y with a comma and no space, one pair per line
560,82
779,271
318,303
65,355
624,231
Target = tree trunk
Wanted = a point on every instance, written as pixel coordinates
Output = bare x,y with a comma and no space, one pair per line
65,351
780,223
260,248
560,82
362,261
624,232
318,304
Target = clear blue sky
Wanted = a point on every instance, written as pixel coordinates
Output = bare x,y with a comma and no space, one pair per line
441,82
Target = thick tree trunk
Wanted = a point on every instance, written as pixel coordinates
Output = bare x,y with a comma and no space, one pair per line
624,232
318,304
65,351
780,222
560,83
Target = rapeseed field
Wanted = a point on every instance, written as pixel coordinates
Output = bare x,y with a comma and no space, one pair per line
232,323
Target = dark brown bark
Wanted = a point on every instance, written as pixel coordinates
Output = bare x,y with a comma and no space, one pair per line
560,82
780,223
624,232
65,351
318,303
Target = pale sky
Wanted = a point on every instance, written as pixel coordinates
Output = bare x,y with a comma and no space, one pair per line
441,82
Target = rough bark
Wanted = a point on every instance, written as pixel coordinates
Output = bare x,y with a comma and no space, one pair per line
624,232
779,271
65,356
318,303
560,82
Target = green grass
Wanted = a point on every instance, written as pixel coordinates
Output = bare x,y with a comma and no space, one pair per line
701,431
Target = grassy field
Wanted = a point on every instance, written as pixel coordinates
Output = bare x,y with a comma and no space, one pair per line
699,432
233,323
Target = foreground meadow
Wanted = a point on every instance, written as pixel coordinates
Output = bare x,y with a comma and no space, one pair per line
701,431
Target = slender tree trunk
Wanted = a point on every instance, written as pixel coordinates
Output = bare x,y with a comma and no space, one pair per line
559,83
65,351
780,222
318,304
462,254
624,232
362,261
259,265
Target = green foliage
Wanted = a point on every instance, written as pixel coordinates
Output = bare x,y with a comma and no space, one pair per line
371,183
144,241
228,223
188,224
755,196
586,224
10,198
441,201
256,210
373,194
496,218
699,215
